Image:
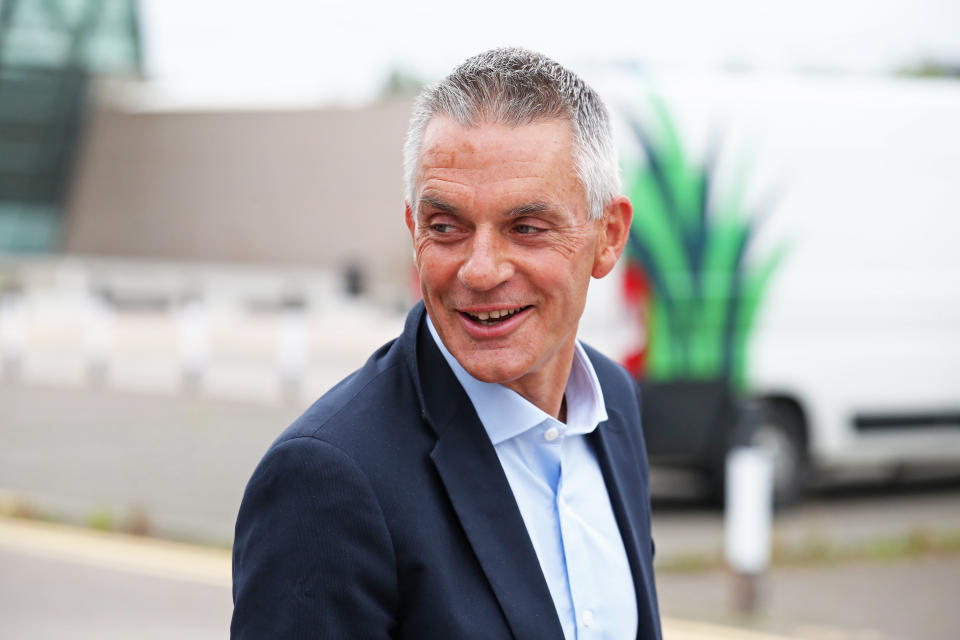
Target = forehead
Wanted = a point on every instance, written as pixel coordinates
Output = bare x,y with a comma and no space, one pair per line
545,145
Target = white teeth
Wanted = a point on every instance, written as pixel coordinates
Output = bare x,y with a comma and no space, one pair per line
483,316
496,314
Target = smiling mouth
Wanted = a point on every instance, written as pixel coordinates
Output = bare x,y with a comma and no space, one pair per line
491,318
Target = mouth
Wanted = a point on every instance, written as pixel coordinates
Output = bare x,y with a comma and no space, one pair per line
493,317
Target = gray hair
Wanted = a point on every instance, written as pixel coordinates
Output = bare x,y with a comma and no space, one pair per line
516,87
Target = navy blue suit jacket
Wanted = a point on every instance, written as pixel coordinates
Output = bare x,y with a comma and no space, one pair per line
383,512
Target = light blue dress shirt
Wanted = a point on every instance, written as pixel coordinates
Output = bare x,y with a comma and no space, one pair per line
559,488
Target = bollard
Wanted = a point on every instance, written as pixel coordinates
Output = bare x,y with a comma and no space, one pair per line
13,333
748,521
98,338
292,345
192,324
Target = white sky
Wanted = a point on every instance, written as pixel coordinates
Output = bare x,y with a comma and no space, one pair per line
341,50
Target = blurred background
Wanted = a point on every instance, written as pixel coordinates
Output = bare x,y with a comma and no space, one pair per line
201,231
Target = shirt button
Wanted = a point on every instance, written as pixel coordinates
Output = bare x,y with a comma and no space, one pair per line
587,618
551,434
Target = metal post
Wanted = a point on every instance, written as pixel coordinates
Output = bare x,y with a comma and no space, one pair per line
192,325
292,345
13,333
98,338
748,522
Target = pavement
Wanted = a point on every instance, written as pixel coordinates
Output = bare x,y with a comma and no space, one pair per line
903,599
174,466
63,581
60,581
843,520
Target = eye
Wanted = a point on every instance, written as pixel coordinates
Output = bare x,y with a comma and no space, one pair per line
442,227
527,229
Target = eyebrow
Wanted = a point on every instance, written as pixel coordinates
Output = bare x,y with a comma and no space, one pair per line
526,209
439,205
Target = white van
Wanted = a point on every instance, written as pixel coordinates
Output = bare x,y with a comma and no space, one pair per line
849,197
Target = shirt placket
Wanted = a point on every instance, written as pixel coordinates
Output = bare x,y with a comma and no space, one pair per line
579,575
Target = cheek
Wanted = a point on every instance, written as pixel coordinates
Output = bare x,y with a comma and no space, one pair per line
563,282
571,243
423,252
565,265
419,248
434,263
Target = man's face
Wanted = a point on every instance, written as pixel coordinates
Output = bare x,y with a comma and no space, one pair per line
505,250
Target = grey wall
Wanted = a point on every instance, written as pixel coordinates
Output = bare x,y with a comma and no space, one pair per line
306,188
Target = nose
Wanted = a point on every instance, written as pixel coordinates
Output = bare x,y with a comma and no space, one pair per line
487,265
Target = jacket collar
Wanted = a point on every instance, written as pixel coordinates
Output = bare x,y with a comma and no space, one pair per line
478,489
628,488
483,501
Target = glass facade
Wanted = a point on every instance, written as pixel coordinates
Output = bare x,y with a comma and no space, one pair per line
48,52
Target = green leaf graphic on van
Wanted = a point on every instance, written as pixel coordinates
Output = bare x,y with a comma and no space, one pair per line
687,251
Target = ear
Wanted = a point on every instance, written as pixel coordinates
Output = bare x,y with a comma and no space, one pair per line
614,230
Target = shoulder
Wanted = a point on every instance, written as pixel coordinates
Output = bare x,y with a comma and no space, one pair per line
352,413
370,426
335,442
314,545
310,525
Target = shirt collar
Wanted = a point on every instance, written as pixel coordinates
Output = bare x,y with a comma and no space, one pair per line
506,414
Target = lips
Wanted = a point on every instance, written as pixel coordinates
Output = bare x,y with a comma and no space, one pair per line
492,323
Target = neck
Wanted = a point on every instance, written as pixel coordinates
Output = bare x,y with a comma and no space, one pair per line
545,387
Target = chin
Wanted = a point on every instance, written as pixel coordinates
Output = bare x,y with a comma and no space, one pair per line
486,371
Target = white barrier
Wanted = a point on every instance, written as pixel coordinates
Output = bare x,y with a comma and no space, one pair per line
192,325
748,520
13,333
292,349
98,339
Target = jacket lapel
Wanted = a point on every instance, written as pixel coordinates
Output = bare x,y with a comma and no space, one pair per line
628,491
481,496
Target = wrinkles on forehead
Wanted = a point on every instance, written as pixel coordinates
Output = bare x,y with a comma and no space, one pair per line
468,125
447,144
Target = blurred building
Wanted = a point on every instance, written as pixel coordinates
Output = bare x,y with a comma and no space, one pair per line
316,188
49,51
90,167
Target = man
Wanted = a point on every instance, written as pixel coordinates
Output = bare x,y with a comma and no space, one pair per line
483,475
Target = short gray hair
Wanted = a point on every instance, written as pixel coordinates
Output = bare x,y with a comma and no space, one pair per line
515,87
